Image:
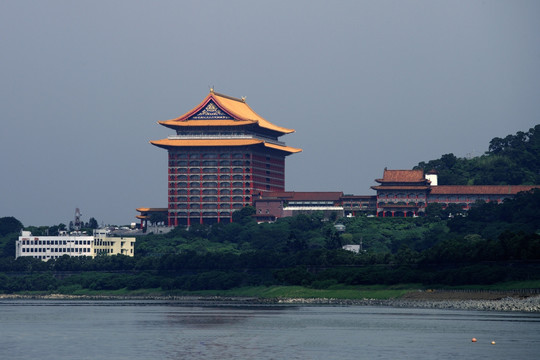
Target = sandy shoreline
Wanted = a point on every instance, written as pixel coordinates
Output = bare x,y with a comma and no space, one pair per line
491,301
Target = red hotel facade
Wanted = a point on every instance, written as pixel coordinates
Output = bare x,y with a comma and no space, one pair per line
220,156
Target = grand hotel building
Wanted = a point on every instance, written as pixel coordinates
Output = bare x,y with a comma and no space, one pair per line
221,154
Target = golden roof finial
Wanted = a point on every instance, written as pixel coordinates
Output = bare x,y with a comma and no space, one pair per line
243,99
212,89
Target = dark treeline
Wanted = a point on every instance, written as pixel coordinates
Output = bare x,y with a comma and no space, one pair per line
305,250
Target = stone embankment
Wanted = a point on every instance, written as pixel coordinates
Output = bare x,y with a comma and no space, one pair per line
457,300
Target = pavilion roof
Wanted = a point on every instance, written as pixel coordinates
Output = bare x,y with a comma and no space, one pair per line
402,176
148,209
222,110
168,143
398,187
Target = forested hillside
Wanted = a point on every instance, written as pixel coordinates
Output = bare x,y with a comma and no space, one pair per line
514,160
489,244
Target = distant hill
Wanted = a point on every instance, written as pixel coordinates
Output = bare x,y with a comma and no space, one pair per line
514,160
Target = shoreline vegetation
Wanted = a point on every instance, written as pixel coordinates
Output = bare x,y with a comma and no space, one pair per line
525,300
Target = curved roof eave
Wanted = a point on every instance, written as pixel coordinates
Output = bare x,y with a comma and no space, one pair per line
168,143
238,109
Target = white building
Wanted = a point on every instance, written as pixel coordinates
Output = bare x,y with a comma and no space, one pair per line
111,245
53,247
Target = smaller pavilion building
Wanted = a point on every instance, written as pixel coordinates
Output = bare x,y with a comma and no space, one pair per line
405,193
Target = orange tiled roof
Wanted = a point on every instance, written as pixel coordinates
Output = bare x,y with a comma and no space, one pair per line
402,176
238,109
166,143
481,189
397,187
145,209
209,123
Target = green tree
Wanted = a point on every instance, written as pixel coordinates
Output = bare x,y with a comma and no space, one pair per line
92,223
9,225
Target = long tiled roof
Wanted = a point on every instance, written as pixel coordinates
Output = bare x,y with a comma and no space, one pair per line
481,189
237,109
167,143
303,195
402,176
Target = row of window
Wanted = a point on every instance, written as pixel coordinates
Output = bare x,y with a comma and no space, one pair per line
210,177
208,170
198,192
209,184
55,242
401,196
208,198
197,155
204,213
411,203
197,206
209,163
55,250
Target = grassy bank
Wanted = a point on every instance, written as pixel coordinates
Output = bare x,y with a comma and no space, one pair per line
380,292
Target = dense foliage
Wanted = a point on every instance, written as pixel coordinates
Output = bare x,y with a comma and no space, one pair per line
514,160
492,244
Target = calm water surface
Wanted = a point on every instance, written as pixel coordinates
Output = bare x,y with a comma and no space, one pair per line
134,330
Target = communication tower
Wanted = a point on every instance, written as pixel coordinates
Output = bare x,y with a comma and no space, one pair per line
77,224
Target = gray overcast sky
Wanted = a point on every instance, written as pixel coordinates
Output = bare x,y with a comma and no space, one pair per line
365,84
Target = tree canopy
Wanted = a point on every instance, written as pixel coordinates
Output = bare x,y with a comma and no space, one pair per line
514,160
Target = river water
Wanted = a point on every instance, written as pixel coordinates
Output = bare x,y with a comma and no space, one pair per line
59,329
